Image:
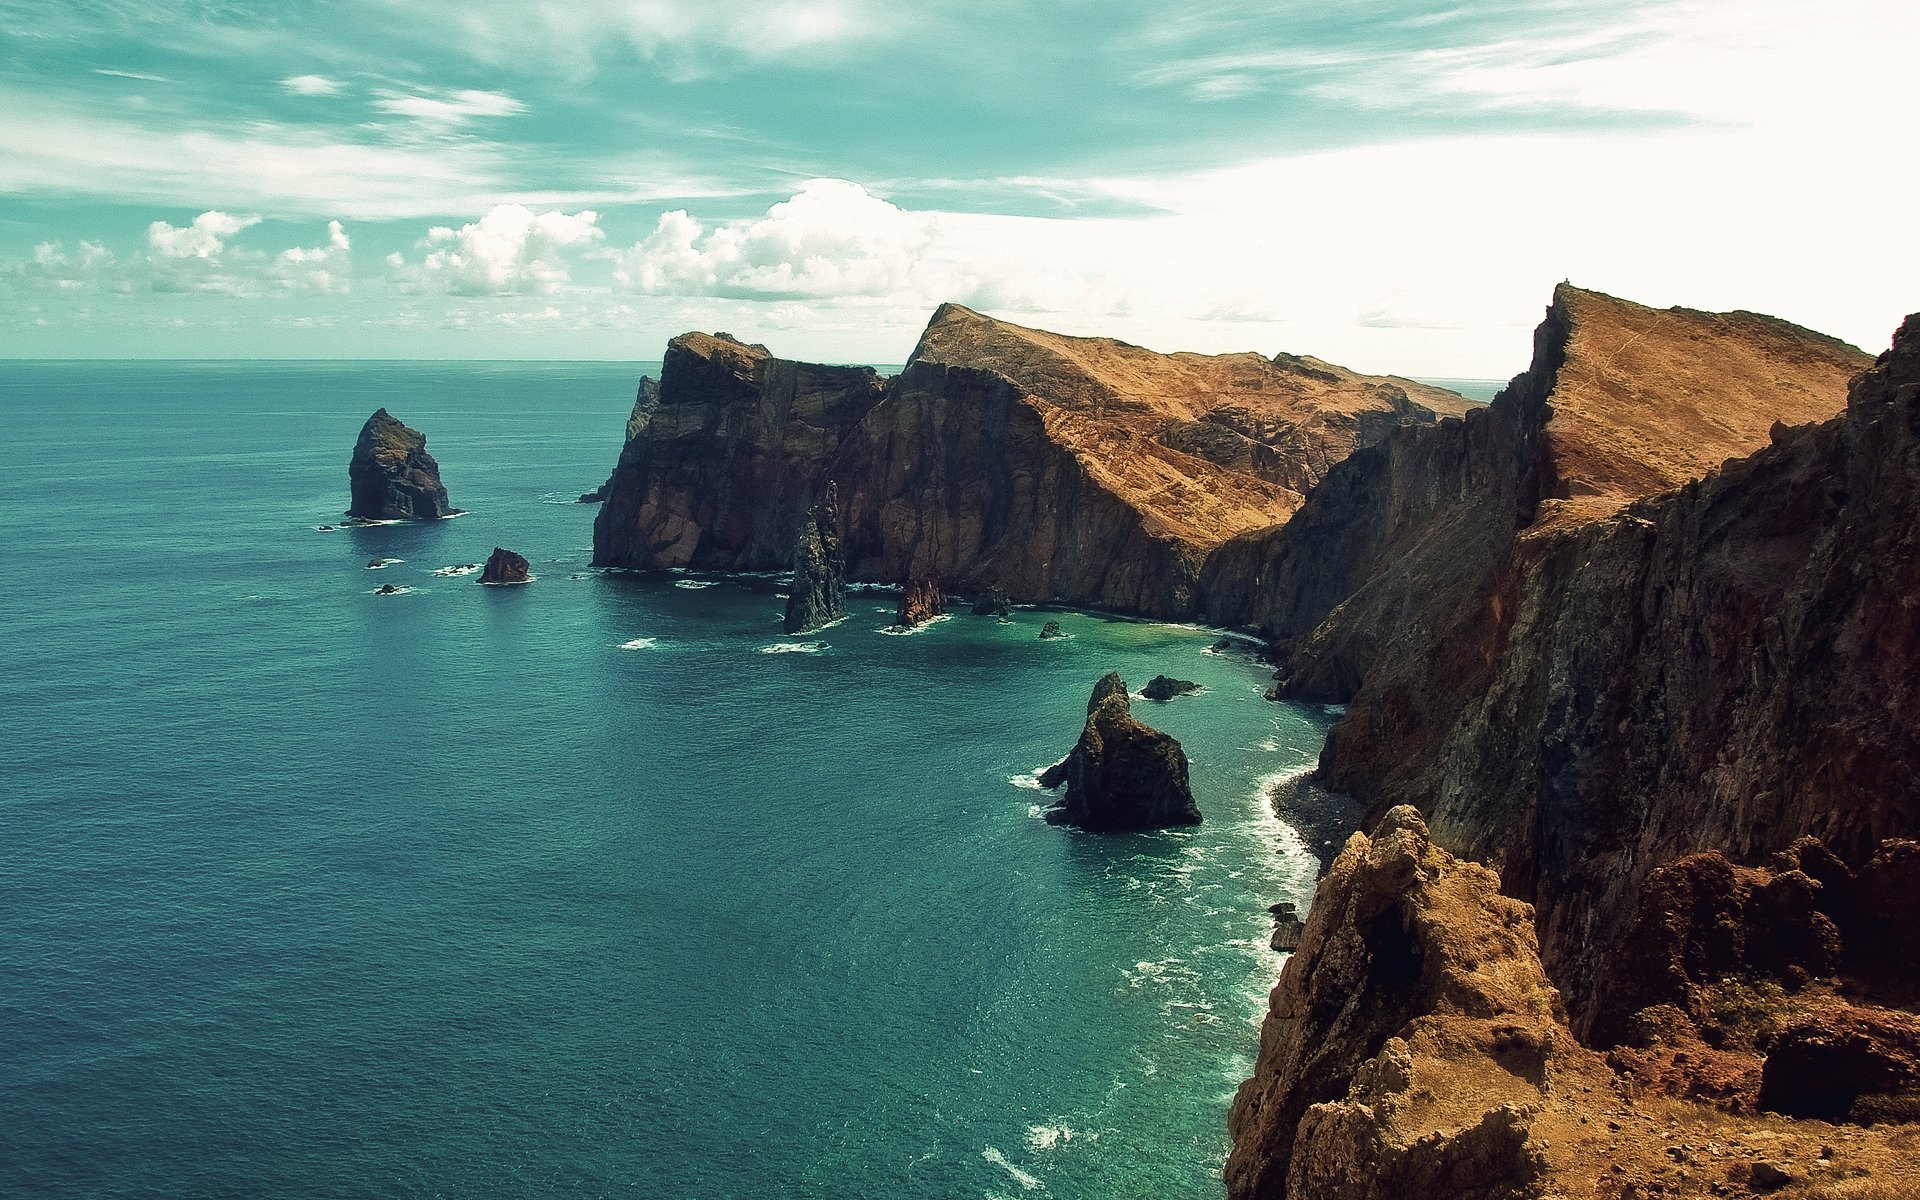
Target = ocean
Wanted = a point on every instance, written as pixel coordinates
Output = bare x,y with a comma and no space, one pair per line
599,886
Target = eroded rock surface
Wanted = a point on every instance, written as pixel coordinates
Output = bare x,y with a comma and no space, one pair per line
1121,774
920,601
391,475
505,566
818,596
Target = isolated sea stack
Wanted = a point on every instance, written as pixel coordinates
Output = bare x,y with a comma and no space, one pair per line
504,566
920,601
1121,775
392,476
818,596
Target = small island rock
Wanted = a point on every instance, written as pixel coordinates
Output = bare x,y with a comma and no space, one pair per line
1166,687
1051,630
504,566
920,602
1121,774
818,597
392,476
994,604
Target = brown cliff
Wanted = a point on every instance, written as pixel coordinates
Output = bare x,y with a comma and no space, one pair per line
921,600
1414,1046
1049,467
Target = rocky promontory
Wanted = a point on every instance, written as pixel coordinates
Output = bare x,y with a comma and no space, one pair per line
1079,470
391,475
1121,774
818,596
504,566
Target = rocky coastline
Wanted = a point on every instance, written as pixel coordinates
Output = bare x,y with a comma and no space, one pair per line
1625,661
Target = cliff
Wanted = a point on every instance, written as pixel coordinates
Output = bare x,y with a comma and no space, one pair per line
719,474
1048,467
646,398
1415,1046
391,475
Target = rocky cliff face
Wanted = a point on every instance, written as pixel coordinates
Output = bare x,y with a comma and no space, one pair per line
392,476
818,596
646,398
1051,468
719,474
920,601
1728,666
1415,1046
1121,774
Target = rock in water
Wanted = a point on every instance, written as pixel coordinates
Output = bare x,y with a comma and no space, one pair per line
818,597
392,476
921,602
504,566
1121,774
995,603
1166,687
1051,630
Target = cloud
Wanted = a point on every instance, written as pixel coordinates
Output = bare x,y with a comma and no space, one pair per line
447,108
831,238
144,78
511,250
202,239
192,258
311,85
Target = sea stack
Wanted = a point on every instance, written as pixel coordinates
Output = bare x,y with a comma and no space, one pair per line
392,476
818,597
1165,687
1121,775
921,601
504,566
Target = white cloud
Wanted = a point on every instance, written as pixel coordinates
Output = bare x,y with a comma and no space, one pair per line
192,258
447,108
831,238
510,250
204,238
136,75
311,85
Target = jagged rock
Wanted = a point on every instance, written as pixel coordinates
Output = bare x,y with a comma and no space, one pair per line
994,603
1121,775
645,400
1409,1041
504,566
920,601
386,589
818,596
1287,928
1079,469
391,475
1165,687
1051,630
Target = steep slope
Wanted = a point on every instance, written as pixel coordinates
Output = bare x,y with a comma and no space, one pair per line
1050,467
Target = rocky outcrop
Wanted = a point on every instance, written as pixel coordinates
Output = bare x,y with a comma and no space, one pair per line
504,566
1121,774
920,601
994,603
1165,687
1081,470
391,475
719,473
1414,1046
645,400
818,596
1051,630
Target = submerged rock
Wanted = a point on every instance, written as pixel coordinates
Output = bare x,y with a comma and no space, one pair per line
1051,630
1121,775
818,597
1166,687
392,476
921,602
504,566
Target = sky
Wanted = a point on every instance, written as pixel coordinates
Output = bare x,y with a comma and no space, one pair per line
1395,185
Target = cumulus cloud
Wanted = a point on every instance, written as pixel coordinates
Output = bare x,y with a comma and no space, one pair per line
192,258
832,238
511,250
446,108
311,85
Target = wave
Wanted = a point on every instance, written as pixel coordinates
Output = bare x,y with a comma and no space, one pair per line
909,631
454,572
381,591
382,563
794,648
1046,1137
1031,780
1020,1177
694,585
639,644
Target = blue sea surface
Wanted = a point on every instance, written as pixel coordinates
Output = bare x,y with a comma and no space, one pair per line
599,886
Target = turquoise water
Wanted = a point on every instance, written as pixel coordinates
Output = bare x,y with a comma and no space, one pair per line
573,889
